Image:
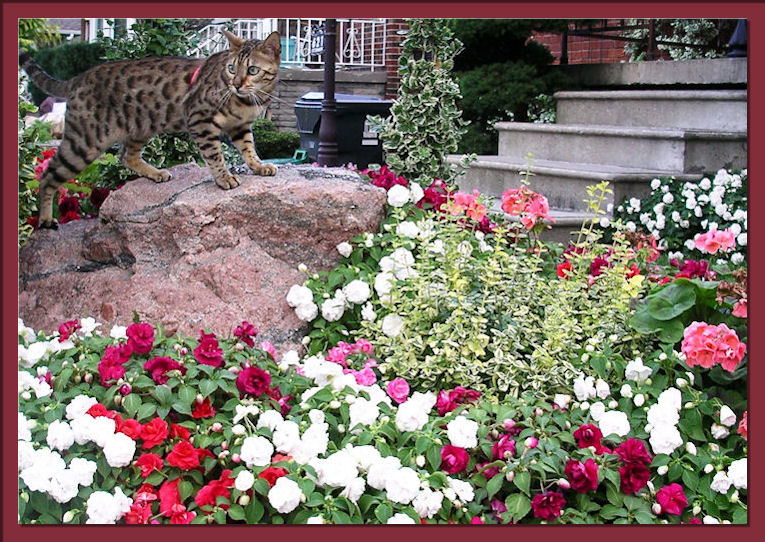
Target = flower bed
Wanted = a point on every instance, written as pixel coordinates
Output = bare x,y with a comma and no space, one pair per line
457,371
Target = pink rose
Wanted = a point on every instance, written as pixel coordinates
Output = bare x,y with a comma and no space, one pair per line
140,337
398,390
583,477
365,377
672,499
502,446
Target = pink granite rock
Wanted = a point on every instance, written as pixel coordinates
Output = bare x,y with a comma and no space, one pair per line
189,256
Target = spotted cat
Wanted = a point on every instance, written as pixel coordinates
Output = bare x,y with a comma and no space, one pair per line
130,101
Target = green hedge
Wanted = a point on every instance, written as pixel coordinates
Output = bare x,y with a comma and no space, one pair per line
66,61
271,143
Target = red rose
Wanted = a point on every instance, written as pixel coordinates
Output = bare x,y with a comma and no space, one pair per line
109,372
252,380
159,367
503,445
139,514
203,409
148,463
208,352
272,474
246,332
454,459
154,432
130,427
634,477
672,499
97,410
140,337
66,329
202,453
548,506
582,476
181,516
184,456
178,431
208,494
169,497
633,450
590,435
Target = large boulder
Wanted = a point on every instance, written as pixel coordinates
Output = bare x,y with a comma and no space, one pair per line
190,256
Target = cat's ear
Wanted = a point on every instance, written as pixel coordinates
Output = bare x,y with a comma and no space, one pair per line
235,41
274,43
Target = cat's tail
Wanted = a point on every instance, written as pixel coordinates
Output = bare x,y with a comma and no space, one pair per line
49,85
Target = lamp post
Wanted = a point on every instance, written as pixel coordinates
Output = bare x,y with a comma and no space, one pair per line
328,155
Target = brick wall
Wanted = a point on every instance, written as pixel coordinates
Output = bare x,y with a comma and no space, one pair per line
392,54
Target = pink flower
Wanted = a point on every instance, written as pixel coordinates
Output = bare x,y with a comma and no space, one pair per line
548,506
672,499
468,204
528,204
708,345
531,442
742,426
246,331
140,337
454,459
504,445
538,209
740,308
253,381
208,352
476,521
364,346
583,477
365,377
398,390
111,366
268,347
715,240
66,329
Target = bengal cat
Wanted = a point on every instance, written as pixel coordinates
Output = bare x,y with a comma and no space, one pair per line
130,101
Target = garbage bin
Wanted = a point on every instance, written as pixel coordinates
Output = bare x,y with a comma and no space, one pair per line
356,142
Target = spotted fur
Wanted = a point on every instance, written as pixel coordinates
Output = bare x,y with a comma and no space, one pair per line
131,101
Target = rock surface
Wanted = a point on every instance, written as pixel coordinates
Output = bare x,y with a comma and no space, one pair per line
190,256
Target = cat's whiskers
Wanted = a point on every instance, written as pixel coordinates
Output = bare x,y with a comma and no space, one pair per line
271,96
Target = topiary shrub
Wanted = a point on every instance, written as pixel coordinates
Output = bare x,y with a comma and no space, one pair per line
271,143
65,61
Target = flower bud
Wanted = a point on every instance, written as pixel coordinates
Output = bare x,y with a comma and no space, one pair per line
726,522
26,396
568,424
662,356
714,447
681,382
303,268
306,340
77,379
510,476
612,404
688,405
25,496
125,389
238,429
224,445
508,424
639,400
589,348
533,462
626,391
88,378
234,369
420,461
244,499
585,405
585,358
224,454
531,442
662,470
734,498
117,400
236,458
651,487
696,509
68,516
538,411
386,419
217,427
334,404
690,448
184,351
564,484
648,381
656,508
239,347
494,433
341,428
708,468
315,276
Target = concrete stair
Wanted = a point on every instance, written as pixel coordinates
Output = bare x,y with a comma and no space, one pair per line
626,137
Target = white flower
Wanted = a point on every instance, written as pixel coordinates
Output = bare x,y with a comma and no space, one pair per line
721,483
101,428
384,282
26,454
737,473
403,262
639,400
736,258
365,456
719,431
727,417
243,411
380,470
398,195
710,520
88,326
368,312
299,295
286,436
661,414
119,450
257,451
60,436
315,520
344,249
626,391
35,352
427,503
597,410
399,519
655,184
238,429
631,226
102,507
83,469
357,291
668,198
81,428
402,485
562,400
354,490
307,311
244,480
584,388
635,204
363,412
23,430
332,309
408,229
79,406
602,390
392,325
614,421
289,358
690,447
436,247
462,432
285,495
636,371
118,332
665,438
412,415
63,486
26,333
742,239
463,489
604,222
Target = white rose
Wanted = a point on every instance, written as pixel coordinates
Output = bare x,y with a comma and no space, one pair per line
88,326
119,450
407,229
299,295
23,428
721,483
392,325
402,485
285,495
354,490
614,421
671,398
315,520
727,417
357,291
665,438
118,332
597,410
380,470
81,428
427,503
83,470
462,432
400,519
332,309
710,520
737,473
660,414
463,489
26,454
344,249
417,192
584,388
365,456
244,480
398,195
101,428
257,451
719,431
307,311
410,417
384,283
368,312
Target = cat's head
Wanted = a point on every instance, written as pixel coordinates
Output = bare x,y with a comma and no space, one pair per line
252,65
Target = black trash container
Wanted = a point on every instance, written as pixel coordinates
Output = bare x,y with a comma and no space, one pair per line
356,142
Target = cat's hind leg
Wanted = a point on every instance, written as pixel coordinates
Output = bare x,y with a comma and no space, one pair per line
131,159
244,141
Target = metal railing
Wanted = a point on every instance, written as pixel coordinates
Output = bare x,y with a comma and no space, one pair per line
360,42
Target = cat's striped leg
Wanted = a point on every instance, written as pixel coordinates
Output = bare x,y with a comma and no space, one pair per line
210,147
131,159
244,141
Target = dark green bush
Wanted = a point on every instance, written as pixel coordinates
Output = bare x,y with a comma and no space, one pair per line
66,61
270,143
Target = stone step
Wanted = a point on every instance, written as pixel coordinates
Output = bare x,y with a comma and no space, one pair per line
711,110
564,184
665,149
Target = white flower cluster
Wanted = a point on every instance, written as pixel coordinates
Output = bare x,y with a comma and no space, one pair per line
636,371
735,476
462,432
588,388
301,299
412,415
399,195
727,419
662,422
104,508
36,384
46,471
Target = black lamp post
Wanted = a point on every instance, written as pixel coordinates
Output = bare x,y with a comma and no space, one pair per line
738,40
328,155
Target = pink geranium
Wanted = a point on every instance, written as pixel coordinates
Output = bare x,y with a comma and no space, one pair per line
527,204
672,499
469,205
740,308
715,240
398,390
708,345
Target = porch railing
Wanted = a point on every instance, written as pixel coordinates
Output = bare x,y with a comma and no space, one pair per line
360,42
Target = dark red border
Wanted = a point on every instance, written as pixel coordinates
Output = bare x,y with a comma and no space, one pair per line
11,531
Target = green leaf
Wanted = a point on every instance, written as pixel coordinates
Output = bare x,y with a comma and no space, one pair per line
187,395
645,517
671,301
185,488
522,481
518,506
154,478
163,394
341,517
131,403
494,485
609,511
182,408
690,479
383,513
613,495
261,486
643,323
434,456
236,512
220,517
206,387
671,332
62,379
253,511
421,444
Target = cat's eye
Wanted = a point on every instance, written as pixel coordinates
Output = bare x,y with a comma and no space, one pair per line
253,70
231,68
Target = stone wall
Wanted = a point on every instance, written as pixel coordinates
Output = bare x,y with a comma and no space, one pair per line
293,83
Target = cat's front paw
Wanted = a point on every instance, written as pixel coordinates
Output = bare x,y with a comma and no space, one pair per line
266,170
51,224
162,176
228,181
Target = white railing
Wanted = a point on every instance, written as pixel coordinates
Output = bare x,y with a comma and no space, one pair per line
361,42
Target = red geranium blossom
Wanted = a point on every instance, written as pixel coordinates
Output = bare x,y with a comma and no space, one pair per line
130,427
178,431
66,329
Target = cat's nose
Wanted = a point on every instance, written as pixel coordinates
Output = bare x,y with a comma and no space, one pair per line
238,82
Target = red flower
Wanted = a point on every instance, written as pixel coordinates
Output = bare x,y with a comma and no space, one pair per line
742,426
148,463
632,451
564,269
202,453
454,459
160,366
98,410
208,494
169,497
503,445
272,474
140,337
181,516
634,477
252,380
590,435
582,476
110,371
203,409
177,431
246,332
66,329
98,195
184,456
130,427
448,401
139,514
672,499
548,506
154,432
208,351
67,205
597,265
